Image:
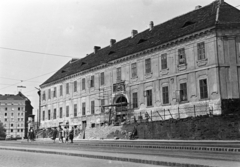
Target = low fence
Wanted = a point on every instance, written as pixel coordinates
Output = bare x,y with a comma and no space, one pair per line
174,113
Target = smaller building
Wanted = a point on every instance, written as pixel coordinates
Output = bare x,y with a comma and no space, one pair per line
14,111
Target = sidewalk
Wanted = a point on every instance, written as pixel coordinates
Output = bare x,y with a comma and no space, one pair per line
136,158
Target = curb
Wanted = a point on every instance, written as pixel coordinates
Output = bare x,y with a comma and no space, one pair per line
151,162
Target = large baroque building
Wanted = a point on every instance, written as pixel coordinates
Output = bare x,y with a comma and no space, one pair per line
189,61
14,111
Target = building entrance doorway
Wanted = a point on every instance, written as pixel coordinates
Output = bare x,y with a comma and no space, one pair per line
120,108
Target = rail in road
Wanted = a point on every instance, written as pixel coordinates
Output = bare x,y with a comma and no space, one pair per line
213,146
199,146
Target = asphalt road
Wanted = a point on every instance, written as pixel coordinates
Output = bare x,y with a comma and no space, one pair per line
26,159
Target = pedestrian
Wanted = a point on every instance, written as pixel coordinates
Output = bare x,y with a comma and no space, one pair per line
54,134
66,134
60,134
71,134
31,134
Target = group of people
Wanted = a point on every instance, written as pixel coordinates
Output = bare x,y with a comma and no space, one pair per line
64,135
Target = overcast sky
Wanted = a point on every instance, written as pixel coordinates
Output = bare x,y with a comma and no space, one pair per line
70,28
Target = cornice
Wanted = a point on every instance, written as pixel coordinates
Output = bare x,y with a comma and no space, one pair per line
136,55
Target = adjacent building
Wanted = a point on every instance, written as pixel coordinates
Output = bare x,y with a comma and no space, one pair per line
14,111
191,61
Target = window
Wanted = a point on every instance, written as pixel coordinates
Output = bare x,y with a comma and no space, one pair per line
11,130
134,70
102,104
203,88
92,107
201,51
18,108
5,114
54,92
61,90
181,56
22,113
43,115
148,66
149,97
6,109
54,113
75,110
164,61
67,111
165,95
83,108
119,71
67,88
49,93
18,119
83,84
60,112
92,81
5,120
44,96
21,119
135,100
21,130
18,130
49,114
11,114
11,125
183,92
102,78
75,86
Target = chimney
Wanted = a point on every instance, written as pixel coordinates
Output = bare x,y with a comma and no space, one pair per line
112,42
96,48
198,7
134,32
151,25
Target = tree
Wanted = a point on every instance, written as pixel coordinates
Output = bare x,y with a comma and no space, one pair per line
2,131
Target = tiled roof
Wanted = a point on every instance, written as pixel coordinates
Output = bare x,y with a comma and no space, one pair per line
191,22
18,96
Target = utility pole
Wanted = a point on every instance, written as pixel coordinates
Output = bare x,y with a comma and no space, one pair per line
39,110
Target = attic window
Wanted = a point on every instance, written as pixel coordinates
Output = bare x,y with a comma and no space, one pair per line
63,71
188,23
83,63
141,41
111,52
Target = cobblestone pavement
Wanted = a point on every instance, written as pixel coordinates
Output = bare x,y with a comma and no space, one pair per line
26,159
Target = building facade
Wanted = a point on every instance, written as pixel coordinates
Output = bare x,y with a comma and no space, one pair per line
181,68
14,110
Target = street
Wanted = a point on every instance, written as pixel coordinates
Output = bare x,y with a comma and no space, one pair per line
26,159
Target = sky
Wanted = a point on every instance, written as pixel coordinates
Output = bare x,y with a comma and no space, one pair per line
37,37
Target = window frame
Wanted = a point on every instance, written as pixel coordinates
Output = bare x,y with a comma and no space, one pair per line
119,74
165,94
148,66
67,111
54,92
135,100
60,112
75,86
92,107
61,90
183,92
201,51
206,96
49,93
102,78
134,70
83,83
182,56
54,113
164,61
75,110
149,97
67,88
102,104
49,114
84,108
92,81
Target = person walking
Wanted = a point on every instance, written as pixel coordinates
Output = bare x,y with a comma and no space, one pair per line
54,134
60,134
71,134
66,134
